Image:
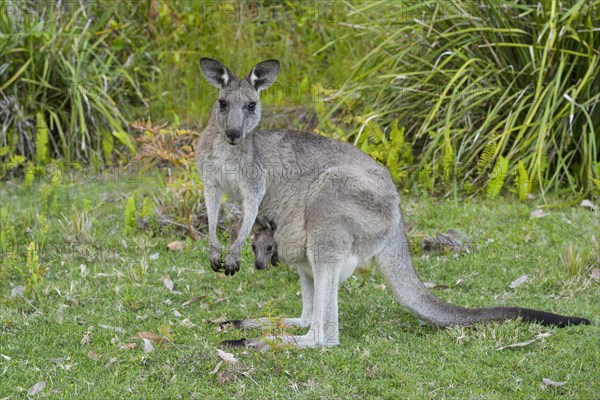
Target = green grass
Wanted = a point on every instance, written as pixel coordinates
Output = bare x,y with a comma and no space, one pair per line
385,352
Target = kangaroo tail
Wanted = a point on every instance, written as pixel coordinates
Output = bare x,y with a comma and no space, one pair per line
396,265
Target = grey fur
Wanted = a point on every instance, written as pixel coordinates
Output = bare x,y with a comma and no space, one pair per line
335,209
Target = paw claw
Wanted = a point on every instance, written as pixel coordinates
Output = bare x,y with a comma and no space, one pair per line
216,265
232,267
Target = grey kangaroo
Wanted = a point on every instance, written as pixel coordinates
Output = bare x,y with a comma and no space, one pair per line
335,208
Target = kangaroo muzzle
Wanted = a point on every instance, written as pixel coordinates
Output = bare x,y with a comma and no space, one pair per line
233,135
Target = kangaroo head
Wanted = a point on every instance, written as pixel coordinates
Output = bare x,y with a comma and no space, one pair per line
237,110
264,245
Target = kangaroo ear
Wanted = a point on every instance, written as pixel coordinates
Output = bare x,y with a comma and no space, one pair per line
273,226
263,74
216,73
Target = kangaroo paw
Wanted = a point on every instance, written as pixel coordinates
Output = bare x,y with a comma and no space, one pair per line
216,263
231,324
235,343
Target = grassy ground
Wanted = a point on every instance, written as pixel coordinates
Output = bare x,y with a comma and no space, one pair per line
70,326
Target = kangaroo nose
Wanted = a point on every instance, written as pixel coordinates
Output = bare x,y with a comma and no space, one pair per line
233,134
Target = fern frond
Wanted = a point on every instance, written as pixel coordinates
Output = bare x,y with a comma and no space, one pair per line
487,157
497,177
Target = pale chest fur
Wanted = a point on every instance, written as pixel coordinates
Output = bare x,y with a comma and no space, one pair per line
229,168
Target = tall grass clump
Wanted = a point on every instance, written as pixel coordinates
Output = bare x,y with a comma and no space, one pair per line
488,92
70,77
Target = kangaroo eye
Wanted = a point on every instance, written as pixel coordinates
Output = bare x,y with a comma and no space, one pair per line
251,106
269,248
222,104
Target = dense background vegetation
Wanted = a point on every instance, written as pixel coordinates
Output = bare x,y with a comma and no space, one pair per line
454,97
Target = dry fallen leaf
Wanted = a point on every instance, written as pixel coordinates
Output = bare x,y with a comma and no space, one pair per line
192,300
168,282
539,213
38,387
176,313
7,358
148,335
110,363
148,346
452,240
94,356
216,369
187,323
549,382
589,204
17,290
595,274
117,329
227,357
518,282
128,346
175,246
523,344
87,335
154,256
520,344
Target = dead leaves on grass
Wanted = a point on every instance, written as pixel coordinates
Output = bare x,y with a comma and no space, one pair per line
175,246
94,356
523,344
227,357
147,346
168,282
233,372
452,240
518,282
17,290
539,213
549,382
110,363
37,388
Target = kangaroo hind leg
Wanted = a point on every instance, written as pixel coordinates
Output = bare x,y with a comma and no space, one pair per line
324,327
307,291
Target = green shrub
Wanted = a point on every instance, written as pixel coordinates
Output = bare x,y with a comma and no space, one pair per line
479,83
69,79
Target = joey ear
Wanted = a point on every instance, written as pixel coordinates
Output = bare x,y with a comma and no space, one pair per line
257,227
216,73
273,226
263,74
